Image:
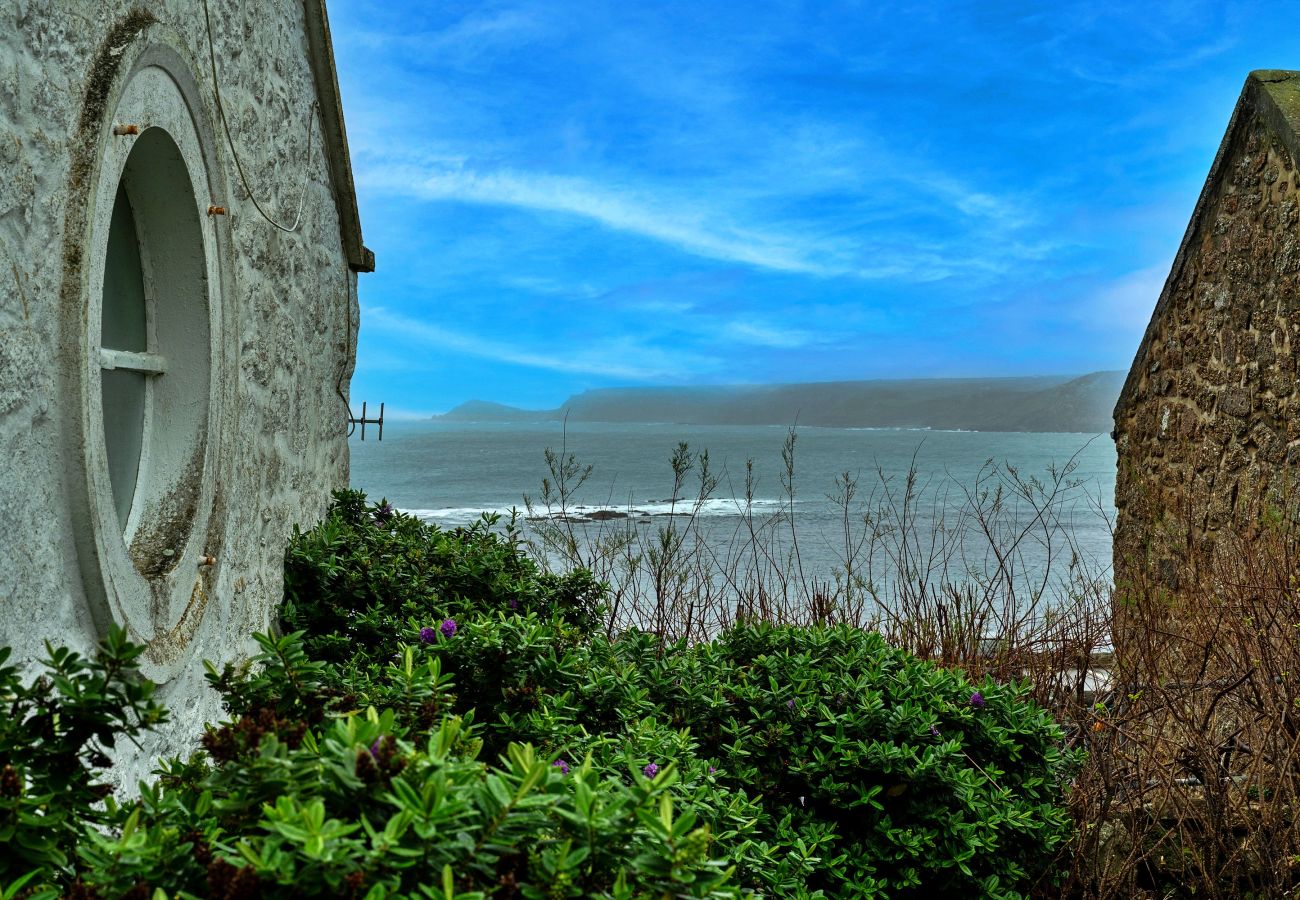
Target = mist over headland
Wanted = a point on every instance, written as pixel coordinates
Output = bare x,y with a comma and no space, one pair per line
1050,403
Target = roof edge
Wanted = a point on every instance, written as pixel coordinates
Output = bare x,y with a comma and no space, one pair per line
1272,95
1282,91
335,137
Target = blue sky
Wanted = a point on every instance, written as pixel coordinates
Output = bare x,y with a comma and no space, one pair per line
568,195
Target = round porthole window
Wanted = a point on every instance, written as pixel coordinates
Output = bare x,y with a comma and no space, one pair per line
151,357
153,349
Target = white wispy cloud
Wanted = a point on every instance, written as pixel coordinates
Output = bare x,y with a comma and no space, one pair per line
615,357
971,202
708,227
687,225
765,335
461,41
1124,304
663,307
1091,38
551,287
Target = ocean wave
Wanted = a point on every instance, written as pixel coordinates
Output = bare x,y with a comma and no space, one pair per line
458,515
922,428
715,506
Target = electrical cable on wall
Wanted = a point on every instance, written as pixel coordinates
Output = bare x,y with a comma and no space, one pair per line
239,166
302,198
347,317
338,385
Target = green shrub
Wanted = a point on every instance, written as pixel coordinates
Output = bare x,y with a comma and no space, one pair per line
867,772
359,807
816,762
822,758
904,779
359,812
54,734
359,576
498,658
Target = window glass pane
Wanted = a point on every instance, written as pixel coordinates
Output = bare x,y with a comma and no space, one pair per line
124,393
123,327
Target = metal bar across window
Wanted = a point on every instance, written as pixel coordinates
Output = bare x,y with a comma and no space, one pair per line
146,363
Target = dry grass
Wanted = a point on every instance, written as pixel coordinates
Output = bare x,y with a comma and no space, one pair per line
953,572
1193,776
1192,780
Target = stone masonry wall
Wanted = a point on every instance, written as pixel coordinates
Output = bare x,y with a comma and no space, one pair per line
1208,425
293,310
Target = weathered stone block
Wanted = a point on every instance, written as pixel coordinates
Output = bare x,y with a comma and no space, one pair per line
1272,447
1235,402
1234,458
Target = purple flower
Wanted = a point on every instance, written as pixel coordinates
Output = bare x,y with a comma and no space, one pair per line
383,512
428,635
977,700
514,603
448,627
561,765
712,770
934,730
651,770
374,748
790,704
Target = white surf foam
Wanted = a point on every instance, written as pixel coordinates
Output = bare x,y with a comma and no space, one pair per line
714,506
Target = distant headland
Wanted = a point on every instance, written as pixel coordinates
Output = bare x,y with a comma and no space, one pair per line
1058,403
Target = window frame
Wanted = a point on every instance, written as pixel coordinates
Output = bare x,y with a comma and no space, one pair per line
161,593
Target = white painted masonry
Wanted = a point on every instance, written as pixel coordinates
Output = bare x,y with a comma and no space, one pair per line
249,336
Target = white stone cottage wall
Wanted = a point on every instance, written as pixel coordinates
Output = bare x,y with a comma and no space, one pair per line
289,323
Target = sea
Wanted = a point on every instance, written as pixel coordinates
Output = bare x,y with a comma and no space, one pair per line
1048,498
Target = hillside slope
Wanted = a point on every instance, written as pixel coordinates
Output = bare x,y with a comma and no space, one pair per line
1044,403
